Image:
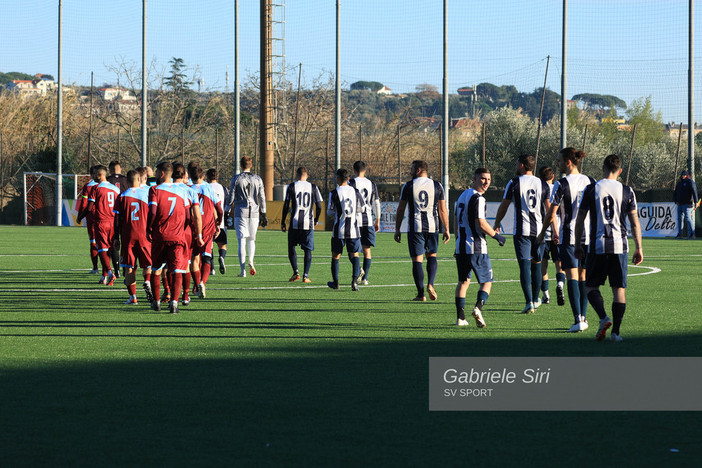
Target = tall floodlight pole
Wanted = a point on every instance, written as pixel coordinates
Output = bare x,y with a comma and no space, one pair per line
337,100
691,93
144,97
59,123
445,127
237,105
564,76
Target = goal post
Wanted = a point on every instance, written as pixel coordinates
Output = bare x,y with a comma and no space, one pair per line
39,192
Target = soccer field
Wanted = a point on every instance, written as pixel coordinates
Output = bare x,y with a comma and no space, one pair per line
267,372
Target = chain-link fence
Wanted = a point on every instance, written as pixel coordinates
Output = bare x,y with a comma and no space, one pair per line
627,65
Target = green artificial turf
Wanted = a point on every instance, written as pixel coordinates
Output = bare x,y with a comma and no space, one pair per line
267,372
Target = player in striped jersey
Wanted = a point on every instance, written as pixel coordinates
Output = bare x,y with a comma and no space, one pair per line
102,202
427,206
565,201
221,238
345,202
247,200
299,198
131,213
212,214
368,227
530,196
609,203
89,218
471,248
551,251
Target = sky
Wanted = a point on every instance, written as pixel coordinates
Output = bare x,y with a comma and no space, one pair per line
628,48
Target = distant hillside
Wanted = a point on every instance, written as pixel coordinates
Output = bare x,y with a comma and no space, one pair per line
7,77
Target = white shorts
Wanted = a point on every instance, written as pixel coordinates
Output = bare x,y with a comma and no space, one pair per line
246,227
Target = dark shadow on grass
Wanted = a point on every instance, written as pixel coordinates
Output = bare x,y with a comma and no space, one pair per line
351,401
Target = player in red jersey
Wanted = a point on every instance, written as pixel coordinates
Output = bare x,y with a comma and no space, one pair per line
89,218
179,179
131,210
169,212
212,213
102,201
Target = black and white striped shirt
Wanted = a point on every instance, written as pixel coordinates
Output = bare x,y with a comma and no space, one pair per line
469,210
300,197
608,202
344,205
369,192
529,195
422,195
567,194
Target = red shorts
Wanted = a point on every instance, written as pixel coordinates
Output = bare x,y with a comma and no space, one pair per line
170,253
104,234
136,249
208,237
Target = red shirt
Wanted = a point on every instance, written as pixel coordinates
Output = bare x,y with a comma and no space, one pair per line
103,197
171,204
133,210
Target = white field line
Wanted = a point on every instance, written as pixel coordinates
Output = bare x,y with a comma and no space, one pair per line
649,271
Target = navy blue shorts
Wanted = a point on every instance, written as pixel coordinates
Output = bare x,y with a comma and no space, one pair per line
352,245
302,237
222,237
478,263
527,248
422,242
551,251
600,267
368,236
568,258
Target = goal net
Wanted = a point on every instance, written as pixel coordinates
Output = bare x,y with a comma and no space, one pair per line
40,196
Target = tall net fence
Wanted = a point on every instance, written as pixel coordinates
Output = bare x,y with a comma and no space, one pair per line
627,65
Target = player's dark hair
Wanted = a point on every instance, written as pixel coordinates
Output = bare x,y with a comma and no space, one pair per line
192,164
481,170
92,169
420,165
211,174
141,171
359,166
195,172
132,176
113,164
612,163
342,174
100,168
165,167
527,161
245,162
546,173
572,155
178,171
301,170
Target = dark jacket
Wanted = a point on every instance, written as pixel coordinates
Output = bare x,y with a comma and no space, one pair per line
685,192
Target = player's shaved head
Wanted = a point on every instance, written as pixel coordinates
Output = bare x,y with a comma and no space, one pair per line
342,175
359,166
133,177
612,163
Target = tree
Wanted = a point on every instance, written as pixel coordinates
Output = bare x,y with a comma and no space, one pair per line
177,79
371,85
649,124
599,102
